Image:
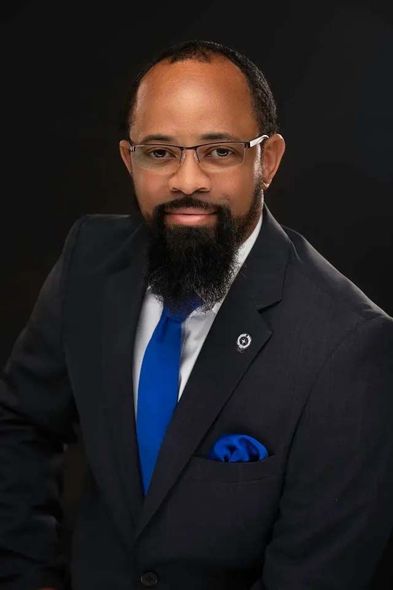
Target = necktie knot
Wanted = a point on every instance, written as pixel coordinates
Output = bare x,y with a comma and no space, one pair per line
183,311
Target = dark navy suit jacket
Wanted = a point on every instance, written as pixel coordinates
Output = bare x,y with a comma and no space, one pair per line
314,386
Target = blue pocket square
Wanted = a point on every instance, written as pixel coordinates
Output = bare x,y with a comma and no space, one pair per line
237,448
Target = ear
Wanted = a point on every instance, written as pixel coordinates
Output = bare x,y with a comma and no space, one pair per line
272,152
125,154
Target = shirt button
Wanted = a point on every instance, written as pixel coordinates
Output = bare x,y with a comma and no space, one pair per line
149,579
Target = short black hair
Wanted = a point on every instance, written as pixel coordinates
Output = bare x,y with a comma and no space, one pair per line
261,94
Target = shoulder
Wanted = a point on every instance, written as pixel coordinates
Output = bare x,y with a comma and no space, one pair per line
322,308
322,283
100,240
110,225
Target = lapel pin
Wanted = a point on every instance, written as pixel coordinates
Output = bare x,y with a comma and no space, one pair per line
243,342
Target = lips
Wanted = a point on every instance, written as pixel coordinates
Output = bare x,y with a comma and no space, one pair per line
190,216
190,211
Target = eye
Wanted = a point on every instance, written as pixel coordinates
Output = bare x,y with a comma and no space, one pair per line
220,152
159,153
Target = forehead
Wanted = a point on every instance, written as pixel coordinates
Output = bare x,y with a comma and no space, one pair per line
192,98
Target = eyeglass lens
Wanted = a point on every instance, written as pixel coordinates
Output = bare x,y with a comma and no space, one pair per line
167,158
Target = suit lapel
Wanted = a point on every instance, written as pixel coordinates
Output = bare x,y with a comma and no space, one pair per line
123,295
220,365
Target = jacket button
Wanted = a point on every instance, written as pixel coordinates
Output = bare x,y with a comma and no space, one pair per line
149,579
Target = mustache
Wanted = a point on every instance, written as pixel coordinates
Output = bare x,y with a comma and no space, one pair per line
186,202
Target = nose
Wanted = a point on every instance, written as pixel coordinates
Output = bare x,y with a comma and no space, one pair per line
189,177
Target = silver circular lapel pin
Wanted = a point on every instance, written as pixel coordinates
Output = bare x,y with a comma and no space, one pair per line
243,342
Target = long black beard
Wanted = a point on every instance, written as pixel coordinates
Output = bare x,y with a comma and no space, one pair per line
189,262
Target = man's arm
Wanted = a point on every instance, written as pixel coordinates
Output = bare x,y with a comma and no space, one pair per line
336,511
37,415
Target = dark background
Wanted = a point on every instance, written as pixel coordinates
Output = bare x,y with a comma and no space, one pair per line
65,72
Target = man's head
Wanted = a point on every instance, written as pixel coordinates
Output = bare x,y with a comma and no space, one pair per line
200,206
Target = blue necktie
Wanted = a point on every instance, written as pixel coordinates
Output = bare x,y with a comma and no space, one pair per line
158,387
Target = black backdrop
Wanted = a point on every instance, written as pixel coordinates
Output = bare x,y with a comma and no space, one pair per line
64,75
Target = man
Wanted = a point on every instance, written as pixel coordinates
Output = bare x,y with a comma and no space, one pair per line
272,467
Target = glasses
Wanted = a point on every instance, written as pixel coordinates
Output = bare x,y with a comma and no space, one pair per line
212,157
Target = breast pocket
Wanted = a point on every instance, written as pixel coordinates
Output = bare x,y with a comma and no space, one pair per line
203,469
225,510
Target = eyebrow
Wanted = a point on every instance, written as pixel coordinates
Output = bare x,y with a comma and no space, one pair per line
206,136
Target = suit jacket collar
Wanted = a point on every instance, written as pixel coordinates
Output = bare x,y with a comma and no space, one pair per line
263,272
218,369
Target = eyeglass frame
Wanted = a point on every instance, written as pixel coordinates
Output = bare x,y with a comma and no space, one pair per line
247,145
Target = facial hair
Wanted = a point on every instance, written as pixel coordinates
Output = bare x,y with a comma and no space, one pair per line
187,262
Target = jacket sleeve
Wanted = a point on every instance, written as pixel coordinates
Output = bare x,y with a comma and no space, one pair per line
336,509
37,419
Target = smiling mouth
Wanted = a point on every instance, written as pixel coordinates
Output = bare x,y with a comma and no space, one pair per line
189,215
190,211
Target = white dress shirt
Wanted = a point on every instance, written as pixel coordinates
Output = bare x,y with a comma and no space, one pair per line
194,329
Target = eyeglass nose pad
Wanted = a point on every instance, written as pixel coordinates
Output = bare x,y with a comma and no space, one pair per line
183,155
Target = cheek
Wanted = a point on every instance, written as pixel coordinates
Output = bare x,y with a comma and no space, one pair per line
238,193
149,190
